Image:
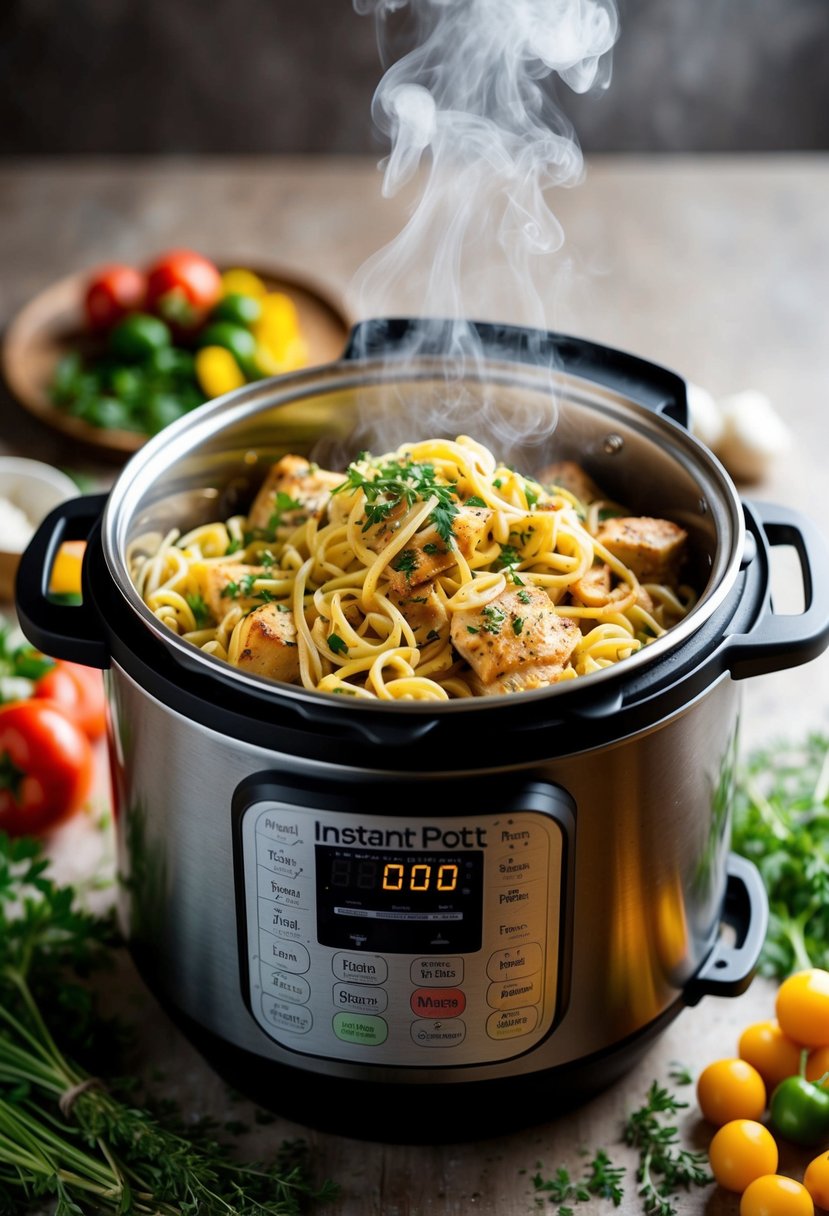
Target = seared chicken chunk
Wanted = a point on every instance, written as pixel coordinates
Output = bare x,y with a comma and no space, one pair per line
293,491
514,642
267,641
573,478
652,548
427,554
423,609
594,590
227,584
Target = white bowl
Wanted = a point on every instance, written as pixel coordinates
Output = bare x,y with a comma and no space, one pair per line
33,488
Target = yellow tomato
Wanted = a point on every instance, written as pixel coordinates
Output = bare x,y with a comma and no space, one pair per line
816,1180
730,1089
776,1195
741,1151
770,1051
802,1007
243,283
217,371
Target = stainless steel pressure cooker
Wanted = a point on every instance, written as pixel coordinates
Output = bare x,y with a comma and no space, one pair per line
419,921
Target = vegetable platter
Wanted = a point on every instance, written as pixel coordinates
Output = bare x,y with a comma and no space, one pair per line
114,352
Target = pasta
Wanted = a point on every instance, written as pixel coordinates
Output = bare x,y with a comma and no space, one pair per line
430,573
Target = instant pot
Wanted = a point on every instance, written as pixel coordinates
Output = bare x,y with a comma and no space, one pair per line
428,921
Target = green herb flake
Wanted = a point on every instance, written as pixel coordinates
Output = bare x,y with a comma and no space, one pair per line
336,643
517,625
201,613
524,596
475,501
494,618
406,563
472,629
230,591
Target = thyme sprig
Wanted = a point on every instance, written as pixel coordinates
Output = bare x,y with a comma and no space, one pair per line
89,1145
664,1165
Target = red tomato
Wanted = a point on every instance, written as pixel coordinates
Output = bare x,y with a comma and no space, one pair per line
182,287
79,691
112,293
46,767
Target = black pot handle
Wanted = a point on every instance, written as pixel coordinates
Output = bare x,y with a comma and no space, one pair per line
62,631
659,389
730,967
781,640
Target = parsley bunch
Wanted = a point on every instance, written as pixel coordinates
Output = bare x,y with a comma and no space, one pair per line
781,823
388,484
64,1134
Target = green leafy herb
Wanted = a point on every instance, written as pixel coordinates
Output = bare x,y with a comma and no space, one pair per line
604,1179
524,596
200,611
517,625
282,504
680,1074
496,481
431,548
230,591
494,618
601,1179
71,1139
475,501
391,483
234,547
781,823
531,495
561,1187
664,1166
406,563
472,629
336,643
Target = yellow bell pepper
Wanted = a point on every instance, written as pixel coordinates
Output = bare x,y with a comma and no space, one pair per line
65,578
280,346
217,371
243,283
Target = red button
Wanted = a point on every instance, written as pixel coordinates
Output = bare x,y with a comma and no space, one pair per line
438,1002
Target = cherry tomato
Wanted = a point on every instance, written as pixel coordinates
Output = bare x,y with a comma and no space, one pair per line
46,767
816,1180
79,691
730,1089
802,1007
799,1111
770,1051
113,292
775,1195
182,287
741,1151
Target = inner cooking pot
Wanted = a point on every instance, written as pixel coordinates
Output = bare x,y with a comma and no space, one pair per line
564,852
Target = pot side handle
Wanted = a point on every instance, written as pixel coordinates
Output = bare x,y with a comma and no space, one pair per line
656,387
781,640
730,967
62,631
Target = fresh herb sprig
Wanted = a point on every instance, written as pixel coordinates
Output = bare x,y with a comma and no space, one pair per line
781,823
601,1179
664,1165
65,1134
390,483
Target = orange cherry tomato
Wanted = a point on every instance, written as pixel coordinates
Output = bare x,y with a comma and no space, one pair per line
46,767
770,1051
817,1065
776,1195
79,691
741,1151
730,1089
816,1180
802,1007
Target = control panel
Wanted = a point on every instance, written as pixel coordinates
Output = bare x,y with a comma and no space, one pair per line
402,941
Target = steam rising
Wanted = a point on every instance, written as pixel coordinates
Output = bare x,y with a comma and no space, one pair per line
477,136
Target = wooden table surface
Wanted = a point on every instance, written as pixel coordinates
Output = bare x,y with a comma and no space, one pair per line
717,267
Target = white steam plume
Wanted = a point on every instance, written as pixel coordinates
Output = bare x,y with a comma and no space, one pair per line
469,100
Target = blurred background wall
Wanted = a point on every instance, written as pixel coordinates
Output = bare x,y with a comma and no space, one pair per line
287,76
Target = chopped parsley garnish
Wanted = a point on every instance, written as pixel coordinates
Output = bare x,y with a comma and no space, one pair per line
509,556
495,618
517,625
199,609
393,482
230,591
233,547
475,501
431,548
336,643
472,629
246,584
524,596
346,692
497,483
266,559
407,563
283,607
282,504
531,496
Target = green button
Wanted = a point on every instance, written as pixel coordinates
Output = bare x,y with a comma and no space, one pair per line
352,1028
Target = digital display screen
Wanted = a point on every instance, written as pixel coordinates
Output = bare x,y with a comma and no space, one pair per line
398,901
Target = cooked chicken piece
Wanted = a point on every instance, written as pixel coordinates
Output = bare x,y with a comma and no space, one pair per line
427,554
306,491
228,584
573,478
593,590
423,609
268,644
652,548
515,641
